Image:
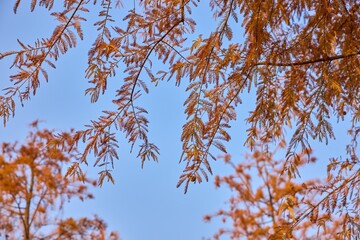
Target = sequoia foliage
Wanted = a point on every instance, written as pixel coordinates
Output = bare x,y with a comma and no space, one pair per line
299,58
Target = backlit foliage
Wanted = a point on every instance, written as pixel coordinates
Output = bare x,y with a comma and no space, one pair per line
299,59
266,204
33,191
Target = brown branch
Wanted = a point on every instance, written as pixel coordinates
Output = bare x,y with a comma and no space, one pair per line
148,55
34,214
212,137
57,38
311,209
219,34
179,53
142,67
300,63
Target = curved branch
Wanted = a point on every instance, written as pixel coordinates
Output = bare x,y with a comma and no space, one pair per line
142,66
300,63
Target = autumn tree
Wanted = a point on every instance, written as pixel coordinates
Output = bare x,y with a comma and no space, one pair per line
299,60
33,191
266,204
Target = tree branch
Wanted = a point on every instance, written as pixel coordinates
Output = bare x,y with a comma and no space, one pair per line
300,63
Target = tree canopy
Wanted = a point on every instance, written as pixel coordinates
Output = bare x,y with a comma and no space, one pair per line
33,191
299,59
266,204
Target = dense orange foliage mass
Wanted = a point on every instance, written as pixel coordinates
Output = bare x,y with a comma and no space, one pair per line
33,191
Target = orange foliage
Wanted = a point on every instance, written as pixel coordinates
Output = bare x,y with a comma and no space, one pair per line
33,191
267,204
300,58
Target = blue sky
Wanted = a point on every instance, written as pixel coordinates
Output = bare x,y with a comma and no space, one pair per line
143,203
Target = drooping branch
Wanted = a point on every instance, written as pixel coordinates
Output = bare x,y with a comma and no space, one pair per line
56,40
148,55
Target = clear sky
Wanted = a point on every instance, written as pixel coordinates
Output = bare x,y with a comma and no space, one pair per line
144,203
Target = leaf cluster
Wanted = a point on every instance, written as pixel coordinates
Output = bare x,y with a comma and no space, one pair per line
33,191
267,204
